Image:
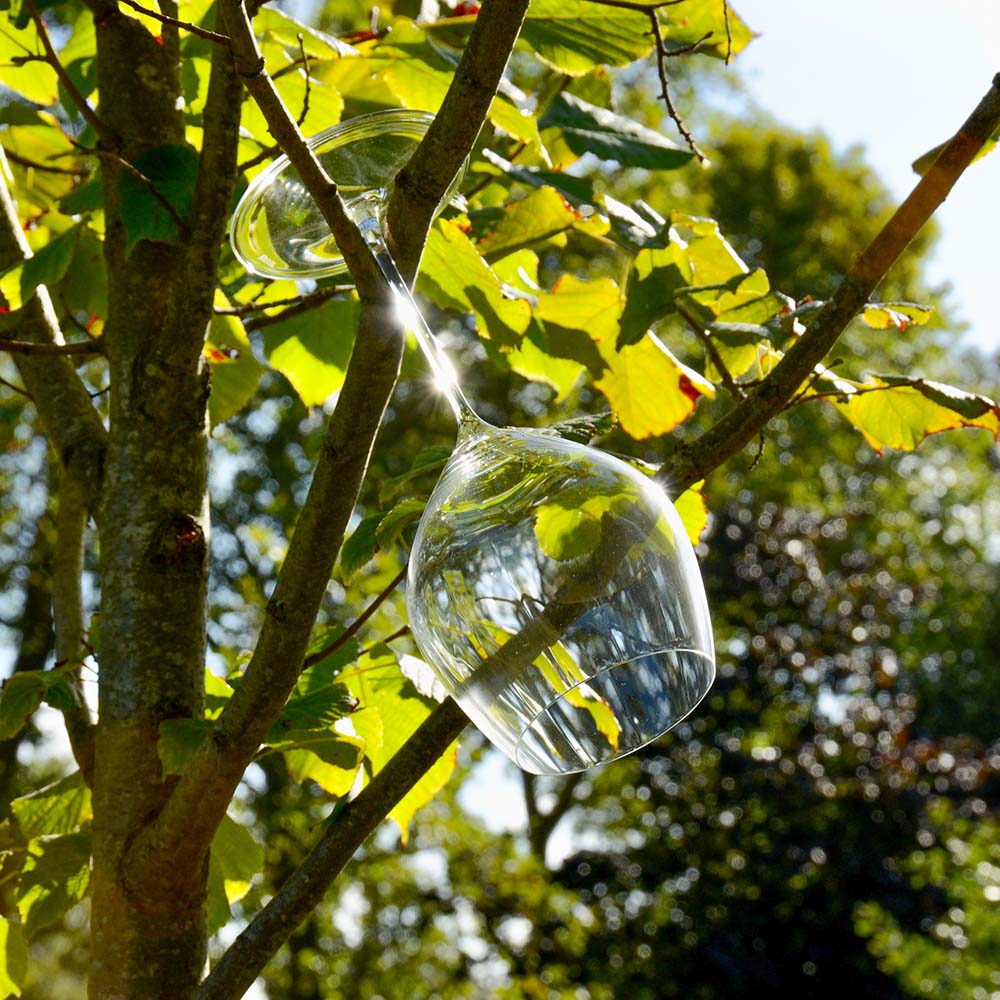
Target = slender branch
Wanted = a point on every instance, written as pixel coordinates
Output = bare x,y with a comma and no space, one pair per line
294,304
16,388
194,29
105,134
694,460
250,67
48,350
386,639
358,623
68,617
734,389
729,32
642,8
26,161
73,425
423,182
305,97
661,72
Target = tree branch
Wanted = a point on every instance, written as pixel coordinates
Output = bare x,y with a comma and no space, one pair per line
194,29
425,180
68,618
48,350
104,134
183,830
695,460
250,66
70,420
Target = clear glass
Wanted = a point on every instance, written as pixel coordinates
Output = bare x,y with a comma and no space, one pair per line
551,587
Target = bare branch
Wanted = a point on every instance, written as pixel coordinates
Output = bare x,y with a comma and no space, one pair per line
358,623
67,615
26,161
194,29
105,134
661,72
48,350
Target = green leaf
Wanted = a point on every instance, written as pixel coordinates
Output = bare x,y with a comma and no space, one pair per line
360,547
589,129
896,412
393,710
172,170
85,285
898,315
179,741
397,520
419,76
319,708
235,371
649,389
574,36
453,275
583,429
13,958
55,809
46,267
533,359
923,163
540,217
312,349
55,877
655,276
22,693
693,512
713,261
689,23
31,78
567,530
322,673
234,861
581,319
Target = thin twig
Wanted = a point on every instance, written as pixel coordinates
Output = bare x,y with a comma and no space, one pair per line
729,31
683,50
39,349
211,36
17,389
304,304
734,388
305,64
355,626
106,136
641,8
265,154
661,70
385,640
312,298
26,161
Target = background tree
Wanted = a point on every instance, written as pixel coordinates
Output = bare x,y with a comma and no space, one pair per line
126,138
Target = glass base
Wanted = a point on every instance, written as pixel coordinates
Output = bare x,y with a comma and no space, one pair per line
624,707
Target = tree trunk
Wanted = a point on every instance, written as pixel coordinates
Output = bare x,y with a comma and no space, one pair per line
148,923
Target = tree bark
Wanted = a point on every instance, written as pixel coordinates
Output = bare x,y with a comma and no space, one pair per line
149,921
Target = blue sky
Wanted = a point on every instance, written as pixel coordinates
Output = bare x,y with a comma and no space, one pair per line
897,76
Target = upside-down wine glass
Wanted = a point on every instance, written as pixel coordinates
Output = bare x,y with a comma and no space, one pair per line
551,587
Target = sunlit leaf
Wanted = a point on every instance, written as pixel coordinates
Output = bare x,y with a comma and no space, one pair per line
568,530
398,519
649,389
13,958
235,371
360,546
235,859
453,275
316,709
713,260
313,348
575,36
691,22
533,359
55,876
892,412
898,315
693,512
655,276
57,808
22,693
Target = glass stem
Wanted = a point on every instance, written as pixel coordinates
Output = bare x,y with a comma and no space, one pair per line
367,217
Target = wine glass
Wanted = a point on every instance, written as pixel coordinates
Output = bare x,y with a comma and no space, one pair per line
551,587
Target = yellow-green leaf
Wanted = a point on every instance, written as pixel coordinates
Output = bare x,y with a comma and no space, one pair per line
900,413
453,275
649,389
312,349
900,315
13,958
235,859
235,371
693,512
575,36
55,809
